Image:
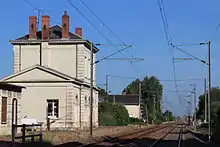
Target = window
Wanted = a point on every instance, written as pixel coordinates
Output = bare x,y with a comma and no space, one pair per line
4,110
52,108
85,100
77,102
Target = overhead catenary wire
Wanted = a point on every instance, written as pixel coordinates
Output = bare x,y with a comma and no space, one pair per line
39,10
168,38
215,32
102,34
194,57
107,57
103,23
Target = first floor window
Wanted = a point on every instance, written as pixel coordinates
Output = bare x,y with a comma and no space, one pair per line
52,108
4,110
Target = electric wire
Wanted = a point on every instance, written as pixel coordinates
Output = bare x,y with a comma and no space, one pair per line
103,23
39,10
102,34
194,57
215,32
168,38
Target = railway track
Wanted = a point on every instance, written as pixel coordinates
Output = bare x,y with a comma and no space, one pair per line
129,139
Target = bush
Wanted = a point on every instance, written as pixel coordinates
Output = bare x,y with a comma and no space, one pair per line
111,114
136,121
107,120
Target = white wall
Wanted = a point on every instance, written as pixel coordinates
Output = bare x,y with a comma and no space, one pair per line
34,102
133,110
73,60
63,58
26,56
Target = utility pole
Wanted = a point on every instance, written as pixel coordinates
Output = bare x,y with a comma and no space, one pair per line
139,104
154,108
209,87
194,91
106,84
205,94
91,89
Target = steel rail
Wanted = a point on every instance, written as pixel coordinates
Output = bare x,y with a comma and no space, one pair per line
180,137
130,136
157,141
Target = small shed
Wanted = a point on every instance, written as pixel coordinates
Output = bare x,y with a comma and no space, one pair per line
9,95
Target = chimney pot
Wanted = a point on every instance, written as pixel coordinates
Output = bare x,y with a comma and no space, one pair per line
45,27
32,27
65,25
78,31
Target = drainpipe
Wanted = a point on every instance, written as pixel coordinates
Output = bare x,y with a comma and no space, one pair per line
80,97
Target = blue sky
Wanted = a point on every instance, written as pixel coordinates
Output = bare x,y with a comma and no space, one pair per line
138,23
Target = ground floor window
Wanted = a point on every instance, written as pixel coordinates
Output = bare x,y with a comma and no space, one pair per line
4,110
53,108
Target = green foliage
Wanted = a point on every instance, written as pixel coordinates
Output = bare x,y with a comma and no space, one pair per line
106,119
136,121
151,92
120,113
215,111
168,116
102,94
113,114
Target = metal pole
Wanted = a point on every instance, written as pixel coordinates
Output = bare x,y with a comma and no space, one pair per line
140,104
209,88
195,105
205,94
91,88
154,109
106,84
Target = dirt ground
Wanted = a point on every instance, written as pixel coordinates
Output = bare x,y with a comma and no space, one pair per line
83,136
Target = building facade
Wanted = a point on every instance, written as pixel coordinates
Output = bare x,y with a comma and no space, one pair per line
8,94
53,65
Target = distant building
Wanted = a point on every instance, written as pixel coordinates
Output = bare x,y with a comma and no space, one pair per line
131,102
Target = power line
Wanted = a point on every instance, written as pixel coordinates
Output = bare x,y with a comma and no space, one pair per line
101,33
194,57
162,80
216,30
192,44
107,57
122,77
40,11
103,23
168,37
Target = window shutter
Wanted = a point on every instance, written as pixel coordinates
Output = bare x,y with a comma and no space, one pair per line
4,110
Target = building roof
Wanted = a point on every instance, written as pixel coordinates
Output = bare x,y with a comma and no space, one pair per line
55,36
10,87
55,32
124,99
65,77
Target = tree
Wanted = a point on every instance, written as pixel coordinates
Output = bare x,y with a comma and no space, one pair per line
132,88
151,92
102,94
215,103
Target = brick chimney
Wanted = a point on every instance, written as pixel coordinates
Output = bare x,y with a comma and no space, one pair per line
65,25
45,27
32,27
78,31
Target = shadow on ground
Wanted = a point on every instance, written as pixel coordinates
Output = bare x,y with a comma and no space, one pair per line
116,142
